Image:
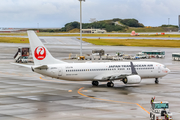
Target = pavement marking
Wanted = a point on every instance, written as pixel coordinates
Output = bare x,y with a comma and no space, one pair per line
69,90
53,80
142,108
48,80
79,92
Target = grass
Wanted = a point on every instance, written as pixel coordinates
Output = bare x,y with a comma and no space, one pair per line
111,42
13,40
134,42
92,35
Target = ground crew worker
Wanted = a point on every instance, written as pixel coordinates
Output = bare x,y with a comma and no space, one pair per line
166,116
152,100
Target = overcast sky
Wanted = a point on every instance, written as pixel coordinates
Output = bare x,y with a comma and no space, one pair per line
56,13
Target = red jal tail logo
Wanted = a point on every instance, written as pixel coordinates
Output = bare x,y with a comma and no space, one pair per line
40,53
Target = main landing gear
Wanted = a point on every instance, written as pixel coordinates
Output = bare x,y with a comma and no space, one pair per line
95,83
110,84
156,81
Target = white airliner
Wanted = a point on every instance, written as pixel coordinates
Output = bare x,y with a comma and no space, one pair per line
127,72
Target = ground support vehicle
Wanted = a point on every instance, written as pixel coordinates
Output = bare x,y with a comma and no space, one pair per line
155,53
22,55
159,109
142,56
176,56
81,58
117,58
88,57
126,57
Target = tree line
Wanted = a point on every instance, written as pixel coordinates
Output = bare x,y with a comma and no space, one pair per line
115,24
109,25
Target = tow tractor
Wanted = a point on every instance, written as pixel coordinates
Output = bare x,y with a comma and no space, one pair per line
159,109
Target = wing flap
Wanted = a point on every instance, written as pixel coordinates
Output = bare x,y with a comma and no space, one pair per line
115,76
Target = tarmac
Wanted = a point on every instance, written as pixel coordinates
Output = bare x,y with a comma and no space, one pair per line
25,95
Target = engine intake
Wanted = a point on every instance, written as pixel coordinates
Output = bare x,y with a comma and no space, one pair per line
132,79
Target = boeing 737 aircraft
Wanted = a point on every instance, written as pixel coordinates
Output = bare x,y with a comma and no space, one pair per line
127,72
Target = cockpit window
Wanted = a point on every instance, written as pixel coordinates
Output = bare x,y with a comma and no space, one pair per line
164,66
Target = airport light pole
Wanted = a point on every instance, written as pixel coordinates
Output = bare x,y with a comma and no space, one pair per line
38,27
169,24
81,25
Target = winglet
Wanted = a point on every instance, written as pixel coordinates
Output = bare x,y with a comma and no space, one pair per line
134,72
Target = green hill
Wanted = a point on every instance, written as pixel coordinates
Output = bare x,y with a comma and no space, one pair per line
109,25
114,25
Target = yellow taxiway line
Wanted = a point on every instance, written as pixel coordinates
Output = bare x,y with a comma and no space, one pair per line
79,92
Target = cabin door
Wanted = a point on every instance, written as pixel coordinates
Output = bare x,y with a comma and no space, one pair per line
60,71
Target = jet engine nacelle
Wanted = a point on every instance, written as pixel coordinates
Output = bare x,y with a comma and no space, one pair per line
132,79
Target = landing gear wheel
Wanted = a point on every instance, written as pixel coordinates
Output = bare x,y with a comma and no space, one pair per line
157,81
110,84
125,80
154,117
95,83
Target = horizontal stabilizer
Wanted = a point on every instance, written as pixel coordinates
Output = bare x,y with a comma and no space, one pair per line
28,66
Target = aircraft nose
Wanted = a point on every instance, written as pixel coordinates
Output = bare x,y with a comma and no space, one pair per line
168,70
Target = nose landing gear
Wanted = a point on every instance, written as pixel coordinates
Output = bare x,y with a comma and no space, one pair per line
156,81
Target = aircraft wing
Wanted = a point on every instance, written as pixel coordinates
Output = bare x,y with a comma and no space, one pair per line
115,76
23,65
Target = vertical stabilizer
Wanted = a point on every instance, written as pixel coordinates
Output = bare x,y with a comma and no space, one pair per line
41,55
